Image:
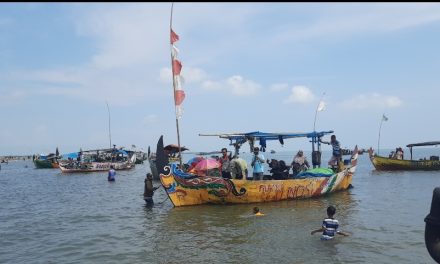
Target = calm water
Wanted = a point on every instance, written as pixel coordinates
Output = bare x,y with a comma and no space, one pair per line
49,217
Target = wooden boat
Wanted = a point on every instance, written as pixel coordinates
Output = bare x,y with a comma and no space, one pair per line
387,163
99,160
73,166
46,163
188,189
49,161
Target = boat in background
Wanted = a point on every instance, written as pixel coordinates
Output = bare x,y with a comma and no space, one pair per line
391,163
185,189
49,161
99,160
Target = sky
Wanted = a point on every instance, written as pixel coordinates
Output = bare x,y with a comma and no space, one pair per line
246,67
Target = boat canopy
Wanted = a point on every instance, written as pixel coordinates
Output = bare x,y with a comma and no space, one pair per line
237,139
429,143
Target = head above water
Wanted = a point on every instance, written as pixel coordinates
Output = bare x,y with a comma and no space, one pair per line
256,210
331,210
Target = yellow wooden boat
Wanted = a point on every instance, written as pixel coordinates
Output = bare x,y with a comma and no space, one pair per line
185,189
387,163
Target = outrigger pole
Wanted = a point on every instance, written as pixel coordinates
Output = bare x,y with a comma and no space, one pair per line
174,87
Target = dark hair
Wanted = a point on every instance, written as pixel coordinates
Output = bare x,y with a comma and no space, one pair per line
225,149
331,210
333,137
256,210
111,166
256,149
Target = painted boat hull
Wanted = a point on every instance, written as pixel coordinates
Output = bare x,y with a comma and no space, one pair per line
383,163
185,189
94,166
45,164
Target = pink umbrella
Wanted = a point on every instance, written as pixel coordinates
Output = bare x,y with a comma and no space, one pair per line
207,164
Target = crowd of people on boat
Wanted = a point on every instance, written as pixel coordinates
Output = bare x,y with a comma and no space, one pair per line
233,167
397,154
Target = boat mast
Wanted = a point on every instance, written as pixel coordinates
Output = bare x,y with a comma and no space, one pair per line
109,133
174,87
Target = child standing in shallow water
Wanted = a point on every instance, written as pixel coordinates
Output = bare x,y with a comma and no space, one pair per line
329,226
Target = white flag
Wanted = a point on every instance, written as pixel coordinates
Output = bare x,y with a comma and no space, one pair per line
174,51
321,106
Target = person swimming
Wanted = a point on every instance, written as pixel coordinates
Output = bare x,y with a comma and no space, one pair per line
257,211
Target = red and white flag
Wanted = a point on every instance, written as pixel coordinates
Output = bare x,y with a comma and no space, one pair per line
173,37
179,94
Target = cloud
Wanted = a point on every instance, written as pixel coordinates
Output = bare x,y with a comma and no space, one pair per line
277,87
12,97
372,101
240,86
300,94
348,20
211,86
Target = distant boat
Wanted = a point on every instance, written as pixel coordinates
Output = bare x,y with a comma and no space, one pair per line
390,163
272,151
49,161
99,160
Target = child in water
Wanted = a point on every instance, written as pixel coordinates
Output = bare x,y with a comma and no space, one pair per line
257,212
329,226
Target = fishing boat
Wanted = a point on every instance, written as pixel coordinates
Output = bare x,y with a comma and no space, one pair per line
49,161
99,160
186,189
43,161
391,163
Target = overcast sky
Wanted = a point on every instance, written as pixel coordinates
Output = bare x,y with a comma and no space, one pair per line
246,67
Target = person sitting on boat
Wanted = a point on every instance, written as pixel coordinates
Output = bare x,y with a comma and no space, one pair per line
239,168
111,174
336,152
257,164
225,160
299,163
279,169
149,189
399,153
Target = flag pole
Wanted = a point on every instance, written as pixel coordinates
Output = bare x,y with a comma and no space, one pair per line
174,88
380,127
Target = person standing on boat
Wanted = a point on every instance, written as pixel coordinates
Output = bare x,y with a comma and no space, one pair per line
149,189
257,164
111,174
336,153
225,160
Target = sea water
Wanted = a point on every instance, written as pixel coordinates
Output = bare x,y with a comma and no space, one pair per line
50,217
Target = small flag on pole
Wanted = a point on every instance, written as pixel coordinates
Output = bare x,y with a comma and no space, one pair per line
384,118
174,37
321,106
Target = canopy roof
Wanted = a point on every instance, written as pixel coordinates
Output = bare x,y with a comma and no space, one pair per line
429,143
268,136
